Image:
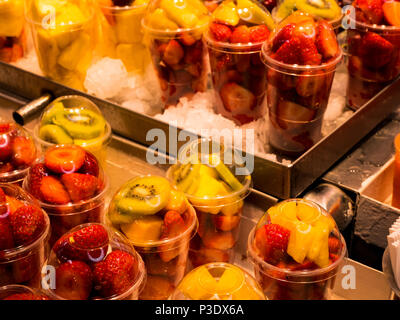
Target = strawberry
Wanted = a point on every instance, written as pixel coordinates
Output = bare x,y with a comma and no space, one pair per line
240,34
326,41
309,53
80,186
259,33
115,274
36,174
334,245
6,54
306,265
305,28
369,11
53,191
26,296
2,196
282,36
6,236
288,110
90,165
27,268
193,55
4,126
74,280
173,226
89,237
65,159
6,167
187,39
220,32
272,242
375,51
290,51
13,204
5,147
173,53
27,224
391,11
310,84
24,151
226,223
236,98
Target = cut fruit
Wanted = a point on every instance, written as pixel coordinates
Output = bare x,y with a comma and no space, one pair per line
198,284
50,114
71,56
285,9
391,11
179,12
128,26
54,134
227,13
143,229
300,241
326,9
225,173
177,202
319,251
65,159
230,281
291,111
307,213
251,12
326,40
12,18
204,169
132,55
237,99
159,20
186,175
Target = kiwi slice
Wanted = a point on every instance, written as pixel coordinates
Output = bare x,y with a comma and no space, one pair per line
143,196
252,12
82,124
225,173
49,115
54,134
186,175
285,9
326,9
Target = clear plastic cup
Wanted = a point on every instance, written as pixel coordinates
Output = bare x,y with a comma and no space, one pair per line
20,292
63,217
368,73
161,238
121,34
176,47
279,274
75,111
64,34
94,259
22,264
396,173
17,153
218,211
12,30
218,281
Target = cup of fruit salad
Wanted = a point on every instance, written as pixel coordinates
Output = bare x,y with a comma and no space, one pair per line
373,49
210,181
17,153
234,41
297,250
74,120
159,222
64,36
121,33
218,281
173,30
24,231
94,262
71,187
301,59
20,292
12,30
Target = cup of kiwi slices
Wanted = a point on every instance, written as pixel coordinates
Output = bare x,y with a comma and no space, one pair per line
74,120
159,222
206,173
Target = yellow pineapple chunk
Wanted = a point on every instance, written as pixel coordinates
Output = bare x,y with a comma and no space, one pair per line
307,213
159,20
128,26
144,229
321,235
179,12
300,241
71,56
198,284
284,215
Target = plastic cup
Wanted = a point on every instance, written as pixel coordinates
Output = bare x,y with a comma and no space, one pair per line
122,37
23,264
289,281
12,31
64,36
12,292
396,174
367,74
297,100
218,281
237,67
91,257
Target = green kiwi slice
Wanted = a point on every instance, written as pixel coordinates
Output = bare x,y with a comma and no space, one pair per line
49,115
54,134
326,9
225,173
186,176
143,196
81,124
285,9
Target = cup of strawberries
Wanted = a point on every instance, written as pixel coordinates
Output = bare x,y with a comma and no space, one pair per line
21,292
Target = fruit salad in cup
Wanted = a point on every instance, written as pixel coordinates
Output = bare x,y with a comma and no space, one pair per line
373,49
173,30
24,231
74,120
12,30
218,281
121,32
159,222
301,59
71,187
93,262
20,292
234,40
64,38
17,153
296,249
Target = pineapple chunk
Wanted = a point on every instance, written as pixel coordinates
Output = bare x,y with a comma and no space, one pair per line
128,26
300,241
133,56
144,229
307,213
285,215
179,12
208,188
198,284
72,55
11,18
204,169
227,13
48,52
321,235
159,20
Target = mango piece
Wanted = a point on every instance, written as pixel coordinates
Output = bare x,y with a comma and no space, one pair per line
300,241
133,56
128,26
72,55
227,13
179,12
144,229
198,284
159,20
197,7
252,13
11,18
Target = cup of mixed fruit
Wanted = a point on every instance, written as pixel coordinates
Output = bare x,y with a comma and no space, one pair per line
173,31
159,222
64,37
17,153
301,59
12,30
74,120
93,262
211,182
297,250
234,39
71,187
121,33
218,281
20,292
373,48
24,232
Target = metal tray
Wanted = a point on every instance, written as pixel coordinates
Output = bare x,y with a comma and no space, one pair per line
273,177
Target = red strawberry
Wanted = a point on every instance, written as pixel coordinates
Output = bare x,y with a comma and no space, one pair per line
309,53
226,223
240,34
375,51
4,127
6,167
2,196
5,147
220,32
173,53
65,159
36,174
334,245
53,191
187,39
237,98
305,28
326,40
259,33
27,296
369,11
6,236
283,35
290,51
24,151
27,224
271,240
27,268
115,274
89,237
80,186
173,226
90,165
74,280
